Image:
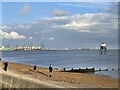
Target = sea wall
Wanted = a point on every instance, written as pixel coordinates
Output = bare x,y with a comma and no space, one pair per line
16,82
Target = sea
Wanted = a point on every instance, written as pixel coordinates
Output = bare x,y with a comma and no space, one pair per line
68,59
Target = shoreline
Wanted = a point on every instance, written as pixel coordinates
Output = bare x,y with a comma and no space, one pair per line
61,69
107,75
61,79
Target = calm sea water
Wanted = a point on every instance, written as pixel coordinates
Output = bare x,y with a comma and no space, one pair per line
67,59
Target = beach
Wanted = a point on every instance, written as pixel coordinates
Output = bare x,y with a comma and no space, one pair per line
58,79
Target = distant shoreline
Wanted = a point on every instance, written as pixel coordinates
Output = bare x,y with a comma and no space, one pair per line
54,50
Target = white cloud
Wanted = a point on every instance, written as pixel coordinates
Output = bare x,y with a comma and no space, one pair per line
11,35
14,27
51,38
4,27
88,23
30,37
25,10
73,23
20,26
58,12
92,23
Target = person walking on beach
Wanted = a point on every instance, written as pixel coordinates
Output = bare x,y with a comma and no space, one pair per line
5,66
0,59
35,67
50,70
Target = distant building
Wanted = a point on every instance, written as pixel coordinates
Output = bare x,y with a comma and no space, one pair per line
28,48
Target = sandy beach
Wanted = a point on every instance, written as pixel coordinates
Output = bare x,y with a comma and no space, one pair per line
59,79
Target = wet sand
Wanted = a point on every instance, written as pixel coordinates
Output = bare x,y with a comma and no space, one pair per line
59,79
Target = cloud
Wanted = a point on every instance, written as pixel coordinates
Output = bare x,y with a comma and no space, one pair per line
4,27
11,35
58,12
22,26
25,10
14,27
30,37
71,30
87,23
90,23
51,38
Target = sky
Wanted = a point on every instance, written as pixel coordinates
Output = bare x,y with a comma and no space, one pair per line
60,24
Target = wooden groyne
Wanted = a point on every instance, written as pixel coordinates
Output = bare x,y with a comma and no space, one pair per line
87,70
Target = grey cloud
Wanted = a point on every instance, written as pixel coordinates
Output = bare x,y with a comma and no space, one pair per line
58,12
